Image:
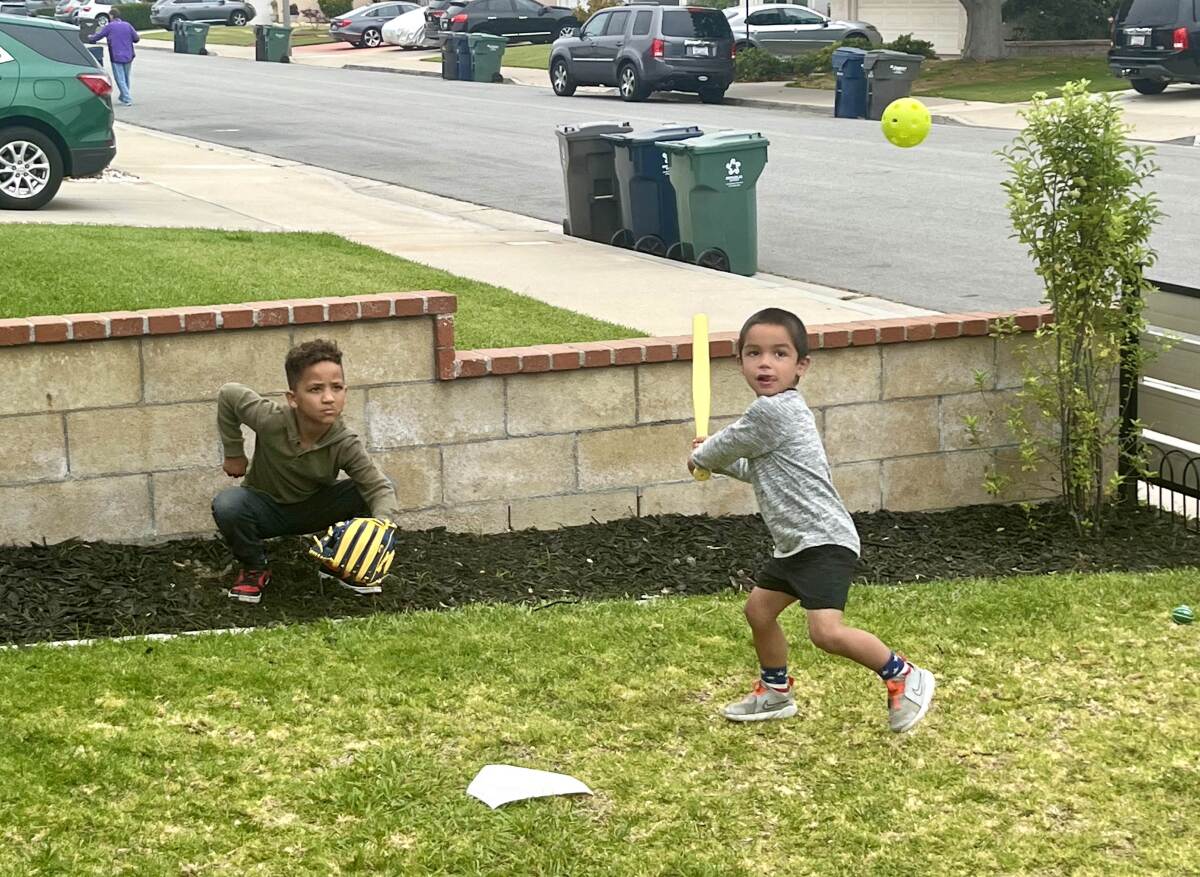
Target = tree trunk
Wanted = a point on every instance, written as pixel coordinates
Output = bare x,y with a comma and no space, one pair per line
985,30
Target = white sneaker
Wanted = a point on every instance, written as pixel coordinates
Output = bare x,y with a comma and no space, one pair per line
761,704
909,696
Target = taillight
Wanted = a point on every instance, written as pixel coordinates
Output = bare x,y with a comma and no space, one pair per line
97,82
461,18
733,51
437,13
657,48
1182,41
342,22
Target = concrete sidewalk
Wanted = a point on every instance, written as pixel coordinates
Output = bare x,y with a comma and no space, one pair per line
164,180
1170,117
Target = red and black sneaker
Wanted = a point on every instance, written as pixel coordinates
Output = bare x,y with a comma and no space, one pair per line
249,585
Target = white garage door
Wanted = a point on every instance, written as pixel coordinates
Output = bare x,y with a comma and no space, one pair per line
942,22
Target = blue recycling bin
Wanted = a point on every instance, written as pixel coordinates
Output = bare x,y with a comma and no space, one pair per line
850,99
466,64
649,217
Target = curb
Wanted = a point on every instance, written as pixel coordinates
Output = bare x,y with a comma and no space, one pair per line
435,74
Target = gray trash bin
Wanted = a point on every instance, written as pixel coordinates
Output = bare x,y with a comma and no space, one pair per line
890,76
590,179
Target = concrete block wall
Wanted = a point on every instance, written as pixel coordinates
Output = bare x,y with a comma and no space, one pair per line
110,419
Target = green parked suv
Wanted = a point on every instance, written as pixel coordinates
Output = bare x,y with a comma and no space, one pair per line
56,115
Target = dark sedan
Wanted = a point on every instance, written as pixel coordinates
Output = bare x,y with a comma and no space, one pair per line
363,27
518,20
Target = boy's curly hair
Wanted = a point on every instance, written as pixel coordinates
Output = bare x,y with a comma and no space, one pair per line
309,353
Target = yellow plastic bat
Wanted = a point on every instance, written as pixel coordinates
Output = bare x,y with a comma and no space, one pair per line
701,383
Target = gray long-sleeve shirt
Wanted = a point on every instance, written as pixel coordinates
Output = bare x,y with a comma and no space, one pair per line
775,447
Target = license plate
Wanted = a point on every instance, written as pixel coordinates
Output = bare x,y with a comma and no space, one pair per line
1137,39
700,51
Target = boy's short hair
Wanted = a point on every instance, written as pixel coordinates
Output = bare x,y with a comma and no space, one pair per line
309,353
777,317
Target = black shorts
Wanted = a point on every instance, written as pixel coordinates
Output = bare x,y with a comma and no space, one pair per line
818,577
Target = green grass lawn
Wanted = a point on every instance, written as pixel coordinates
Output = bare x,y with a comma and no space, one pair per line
1012,80
61,269
244,36
536,57
1062,741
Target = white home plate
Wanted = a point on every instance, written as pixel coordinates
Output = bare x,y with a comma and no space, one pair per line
498,784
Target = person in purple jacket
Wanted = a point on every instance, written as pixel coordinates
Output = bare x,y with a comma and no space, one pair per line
121,37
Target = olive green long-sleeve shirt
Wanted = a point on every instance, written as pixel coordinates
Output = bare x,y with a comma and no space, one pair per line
281,468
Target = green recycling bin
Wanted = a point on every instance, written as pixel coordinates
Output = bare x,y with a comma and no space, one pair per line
272,43
487,54
714,177
190,37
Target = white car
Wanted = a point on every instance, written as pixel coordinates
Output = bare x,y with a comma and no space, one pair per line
97,12
408,31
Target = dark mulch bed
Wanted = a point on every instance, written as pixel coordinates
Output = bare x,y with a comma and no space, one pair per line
78,589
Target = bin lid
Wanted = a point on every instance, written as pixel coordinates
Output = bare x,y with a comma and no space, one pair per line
719,141
654,135
849,52
587,130
481,39
885,56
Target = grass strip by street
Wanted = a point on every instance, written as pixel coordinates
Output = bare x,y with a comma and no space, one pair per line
1061,741
244,36
1011,80
63,269
530,55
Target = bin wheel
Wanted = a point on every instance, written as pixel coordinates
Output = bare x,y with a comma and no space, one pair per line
623,239
715,259
677,252
567,227
651,244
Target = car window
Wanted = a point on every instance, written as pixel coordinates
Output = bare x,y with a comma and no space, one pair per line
795,16
1137,13
703,23
641,24
595,25
52,44
528,7
616,24
764,17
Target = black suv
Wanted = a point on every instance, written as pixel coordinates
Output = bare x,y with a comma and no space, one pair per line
1155,43
518,20
642,49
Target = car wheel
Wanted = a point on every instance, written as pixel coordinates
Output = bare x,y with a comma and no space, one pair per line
372,38
560,78
31,169
742,46
564,30
238,19
1148,86
630,84
713,95
175,21
101,20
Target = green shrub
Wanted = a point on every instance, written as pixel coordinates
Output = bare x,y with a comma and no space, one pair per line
137,14
1058,19
757,65
334,8
906,42
584,11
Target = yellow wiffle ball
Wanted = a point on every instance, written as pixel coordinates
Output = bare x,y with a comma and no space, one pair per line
906,122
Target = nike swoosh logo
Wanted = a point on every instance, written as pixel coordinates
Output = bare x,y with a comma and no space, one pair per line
771,707
919,686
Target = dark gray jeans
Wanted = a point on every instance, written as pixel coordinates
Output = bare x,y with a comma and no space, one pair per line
246,517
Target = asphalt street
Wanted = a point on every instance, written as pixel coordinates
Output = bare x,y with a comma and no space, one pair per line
837,205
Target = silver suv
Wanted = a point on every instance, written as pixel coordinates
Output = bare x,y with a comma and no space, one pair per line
642,48
168,13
